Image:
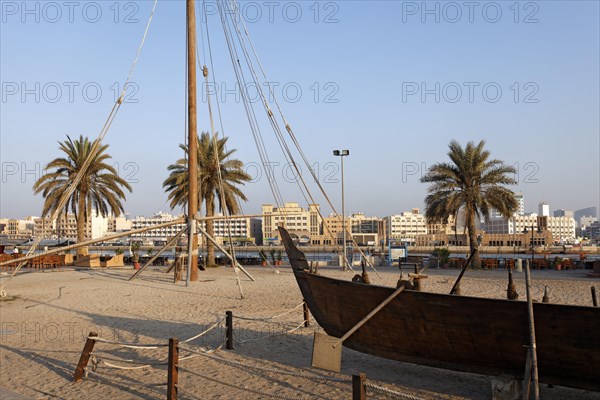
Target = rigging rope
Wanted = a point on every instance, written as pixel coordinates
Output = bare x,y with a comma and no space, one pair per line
281,140
96,145
274,123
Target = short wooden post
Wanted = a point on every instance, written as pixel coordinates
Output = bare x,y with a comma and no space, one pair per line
229,325
359,390
306,315
594,299
511,291
85,356
546,298
172,370
417,284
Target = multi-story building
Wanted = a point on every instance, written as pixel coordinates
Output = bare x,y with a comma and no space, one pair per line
367,230
561,228
301,223
20,228
157,219
406,226
65,227
119,224
494,214
584,212
239,228
439,227
333,229
594,232
543,209
563,213
4,226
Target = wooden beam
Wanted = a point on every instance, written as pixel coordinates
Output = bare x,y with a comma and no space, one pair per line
369,316
169,244
102,239
455,288
532,350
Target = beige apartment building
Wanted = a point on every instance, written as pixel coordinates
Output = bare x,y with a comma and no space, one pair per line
304,224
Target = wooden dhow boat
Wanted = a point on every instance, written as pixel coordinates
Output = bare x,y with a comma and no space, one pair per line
470,334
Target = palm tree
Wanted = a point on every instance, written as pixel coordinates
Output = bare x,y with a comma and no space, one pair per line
218,177
99,190
471,182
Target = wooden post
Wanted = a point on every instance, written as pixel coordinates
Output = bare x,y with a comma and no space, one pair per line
192,202
85,356
417,284
229,325
532,350
172,369
546,298
594,299
306,315
359,391
511,291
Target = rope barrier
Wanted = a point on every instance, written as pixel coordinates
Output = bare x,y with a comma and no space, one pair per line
64,199
200,351
215,325
280,371
391,392
239,341
128,345
256,391
103,358
267,319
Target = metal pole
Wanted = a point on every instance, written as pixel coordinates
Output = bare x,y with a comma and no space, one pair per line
532,256
343,217
532,349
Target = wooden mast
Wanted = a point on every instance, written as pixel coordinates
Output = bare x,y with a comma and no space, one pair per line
192,142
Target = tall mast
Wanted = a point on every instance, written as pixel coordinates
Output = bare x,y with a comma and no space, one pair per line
192,274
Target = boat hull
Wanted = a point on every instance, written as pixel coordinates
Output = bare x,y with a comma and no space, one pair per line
485,336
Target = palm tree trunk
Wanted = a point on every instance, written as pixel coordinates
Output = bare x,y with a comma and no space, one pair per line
473,237
81,223
210,247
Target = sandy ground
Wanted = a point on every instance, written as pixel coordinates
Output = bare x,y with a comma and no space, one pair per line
47,315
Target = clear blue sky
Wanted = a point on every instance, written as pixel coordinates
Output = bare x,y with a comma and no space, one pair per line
362,68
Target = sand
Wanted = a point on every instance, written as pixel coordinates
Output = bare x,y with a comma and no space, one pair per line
46,318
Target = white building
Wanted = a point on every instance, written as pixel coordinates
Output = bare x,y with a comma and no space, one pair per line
406,225
66,227
237,227
543,209
156,219
562,228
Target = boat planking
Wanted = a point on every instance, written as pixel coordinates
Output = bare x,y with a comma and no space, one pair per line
470,334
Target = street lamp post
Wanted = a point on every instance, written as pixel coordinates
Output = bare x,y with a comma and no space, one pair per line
342,154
